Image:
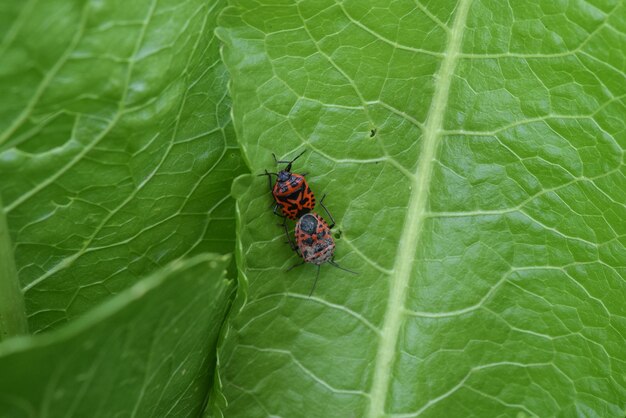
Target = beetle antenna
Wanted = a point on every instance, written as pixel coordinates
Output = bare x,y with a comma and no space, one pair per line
288,168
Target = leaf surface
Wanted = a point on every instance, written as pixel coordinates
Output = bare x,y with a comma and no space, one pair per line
116,149
121,359
472,153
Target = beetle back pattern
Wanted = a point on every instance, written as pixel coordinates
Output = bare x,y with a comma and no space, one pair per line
314,239
291,191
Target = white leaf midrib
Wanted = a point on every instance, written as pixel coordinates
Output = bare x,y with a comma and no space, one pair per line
414,221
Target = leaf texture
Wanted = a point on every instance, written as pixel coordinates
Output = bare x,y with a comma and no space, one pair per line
116,149
121,359
472,153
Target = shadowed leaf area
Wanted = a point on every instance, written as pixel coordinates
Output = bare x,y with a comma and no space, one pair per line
116,149
121,359
117,156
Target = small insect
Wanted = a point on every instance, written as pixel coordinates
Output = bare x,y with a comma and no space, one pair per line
314,242
291,191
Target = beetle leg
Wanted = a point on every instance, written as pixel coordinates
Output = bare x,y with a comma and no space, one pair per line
295,265
332,263
332,220
291,243
278,214
317,276
269,178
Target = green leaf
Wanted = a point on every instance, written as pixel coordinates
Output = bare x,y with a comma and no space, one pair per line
121,359
116,149
472,153
12,313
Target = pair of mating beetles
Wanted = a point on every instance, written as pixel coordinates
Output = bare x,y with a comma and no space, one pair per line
293,196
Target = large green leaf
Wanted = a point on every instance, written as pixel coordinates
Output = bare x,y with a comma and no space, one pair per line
122,359
473,156
116,148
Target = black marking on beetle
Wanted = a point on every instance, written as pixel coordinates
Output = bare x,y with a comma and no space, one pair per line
373,132
292,196
308,224
283,176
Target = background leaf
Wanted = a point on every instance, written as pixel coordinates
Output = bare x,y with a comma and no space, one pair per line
473,155
12,313
116,148
121,359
